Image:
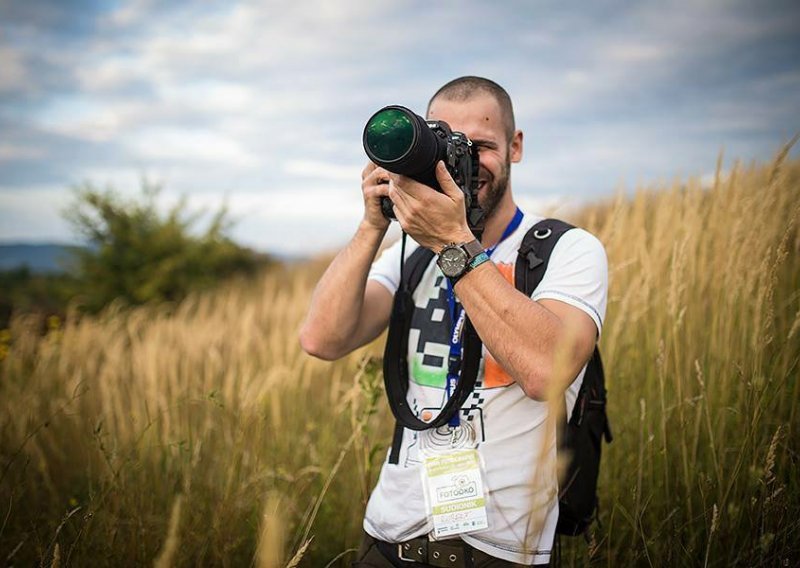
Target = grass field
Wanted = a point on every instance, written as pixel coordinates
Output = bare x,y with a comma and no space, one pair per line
200,434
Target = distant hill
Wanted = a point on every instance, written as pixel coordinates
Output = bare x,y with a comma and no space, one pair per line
40,258
54,258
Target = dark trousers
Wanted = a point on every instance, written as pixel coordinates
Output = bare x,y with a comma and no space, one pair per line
378,554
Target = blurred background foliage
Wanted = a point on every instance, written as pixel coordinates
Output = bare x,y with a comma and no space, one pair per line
133,255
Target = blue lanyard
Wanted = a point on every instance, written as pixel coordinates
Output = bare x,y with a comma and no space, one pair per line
457,317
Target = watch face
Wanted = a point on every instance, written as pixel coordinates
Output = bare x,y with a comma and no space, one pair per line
452,261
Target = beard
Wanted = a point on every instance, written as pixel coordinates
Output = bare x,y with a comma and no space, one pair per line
495,190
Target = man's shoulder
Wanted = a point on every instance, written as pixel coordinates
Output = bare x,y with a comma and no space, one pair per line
575,238
581,238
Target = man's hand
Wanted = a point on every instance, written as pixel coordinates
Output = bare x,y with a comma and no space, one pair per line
432,219
374,185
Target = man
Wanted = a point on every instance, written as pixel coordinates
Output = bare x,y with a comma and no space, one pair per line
523,337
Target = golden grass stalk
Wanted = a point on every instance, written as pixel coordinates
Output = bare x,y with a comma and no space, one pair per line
166,558
295,561
56,562
271,542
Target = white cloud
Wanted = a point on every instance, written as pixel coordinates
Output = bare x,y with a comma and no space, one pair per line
90,118
294,220
129,13
296,204
155,145
544,205
323,170
210,96
34,215
109,72
126,181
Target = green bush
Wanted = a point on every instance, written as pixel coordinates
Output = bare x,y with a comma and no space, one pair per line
138,255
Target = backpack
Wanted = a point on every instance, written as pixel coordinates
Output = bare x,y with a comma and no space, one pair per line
579,438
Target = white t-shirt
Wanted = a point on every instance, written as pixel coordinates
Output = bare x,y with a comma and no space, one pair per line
516,447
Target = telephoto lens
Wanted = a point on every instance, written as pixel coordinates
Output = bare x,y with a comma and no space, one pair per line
397,139
390,134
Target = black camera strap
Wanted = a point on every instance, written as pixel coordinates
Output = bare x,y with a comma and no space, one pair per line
395,356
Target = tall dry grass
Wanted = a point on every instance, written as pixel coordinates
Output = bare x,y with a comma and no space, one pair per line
169,432
702,350
200,434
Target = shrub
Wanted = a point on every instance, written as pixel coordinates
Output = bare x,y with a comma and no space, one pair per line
138,255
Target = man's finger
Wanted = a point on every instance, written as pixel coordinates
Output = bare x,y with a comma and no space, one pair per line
446,182
382,189
378,175
368,169
397,195
409,187
398,206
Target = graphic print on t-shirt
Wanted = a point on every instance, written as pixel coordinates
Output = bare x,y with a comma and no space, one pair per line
428,340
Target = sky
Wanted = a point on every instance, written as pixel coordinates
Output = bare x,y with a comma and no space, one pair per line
261,105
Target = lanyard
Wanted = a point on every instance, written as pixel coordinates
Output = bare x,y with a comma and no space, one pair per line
457,317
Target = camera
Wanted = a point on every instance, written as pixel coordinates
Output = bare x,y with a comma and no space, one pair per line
397,139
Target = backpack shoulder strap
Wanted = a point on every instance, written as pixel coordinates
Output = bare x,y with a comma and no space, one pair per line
579,433
414,267
534,253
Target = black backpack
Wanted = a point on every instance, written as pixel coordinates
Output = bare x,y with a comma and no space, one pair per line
579,438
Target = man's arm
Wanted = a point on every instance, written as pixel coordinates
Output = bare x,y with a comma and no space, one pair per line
347,311
542,344
524,336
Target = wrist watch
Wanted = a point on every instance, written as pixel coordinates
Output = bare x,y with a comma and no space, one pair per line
455,260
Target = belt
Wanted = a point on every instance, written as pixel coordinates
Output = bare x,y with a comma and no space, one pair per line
444,554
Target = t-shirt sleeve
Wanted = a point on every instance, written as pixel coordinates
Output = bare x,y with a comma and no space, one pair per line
577,274
386,269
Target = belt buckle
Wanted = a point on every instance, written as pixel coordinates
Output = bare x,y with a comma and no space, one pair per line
400,554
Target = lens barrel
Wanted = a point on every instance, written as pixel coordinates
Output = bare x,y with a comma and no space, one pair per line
399,140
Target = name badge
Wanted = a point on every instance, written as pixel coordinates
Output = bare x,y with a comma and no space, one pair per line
454,491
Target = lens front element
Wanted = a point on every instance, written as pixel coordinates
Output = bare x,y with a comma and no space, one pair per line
389,134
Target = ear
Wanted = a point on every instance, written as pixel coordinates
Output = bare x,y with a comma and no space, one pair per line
515,148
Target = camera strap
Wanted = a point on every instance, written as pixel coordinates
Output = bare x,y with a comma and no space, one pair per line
395,358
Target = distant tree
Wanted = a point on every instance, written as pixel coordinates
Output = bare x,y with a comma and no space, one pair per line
139,255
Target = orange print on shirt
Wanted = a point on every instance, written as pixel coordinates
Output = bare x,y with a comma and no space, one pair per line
493,374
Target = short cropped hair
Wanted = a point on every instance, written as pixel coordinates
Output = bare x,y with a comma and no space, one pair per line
465,88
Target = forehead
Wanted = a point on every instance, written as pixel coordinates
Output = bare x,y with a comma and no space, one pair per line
479,117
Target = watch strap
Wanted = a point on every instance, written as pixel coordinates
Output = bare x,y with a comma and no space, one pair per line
478,260
476,255
473,249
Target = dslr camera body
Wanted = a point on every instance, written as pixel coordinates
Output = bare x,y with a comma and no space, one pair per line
397,139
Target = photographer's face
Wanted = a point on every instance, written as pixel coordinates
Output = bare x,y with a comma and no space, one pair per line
480,119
